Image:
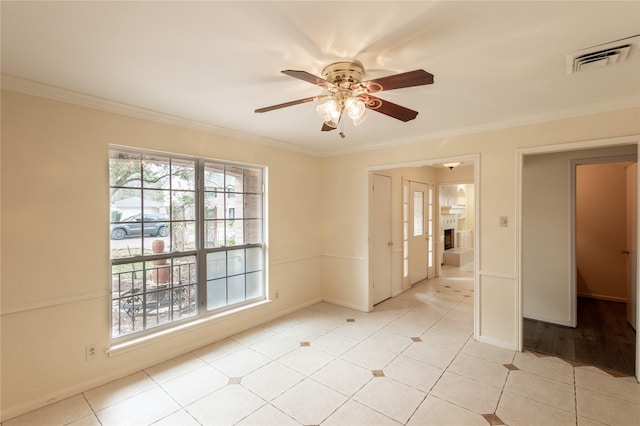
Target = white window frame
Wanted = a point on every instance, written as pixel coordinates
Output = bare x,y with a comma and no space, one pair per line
183,297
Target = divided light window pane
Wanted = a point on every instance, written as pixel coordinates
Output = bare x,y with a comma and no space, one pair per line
163,225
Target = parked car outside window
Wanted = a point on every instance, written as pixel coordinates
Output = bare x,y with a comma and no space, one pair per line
154,225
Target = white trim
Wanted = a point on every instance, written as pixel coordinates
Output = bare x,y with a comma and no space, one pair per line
574,146
469,160
345,305
519,303
339,256
573,279
497,342
603,297
577,111
295,260
566,323
498,275
152,338
34,88
64,393
476,246
118,349
43,304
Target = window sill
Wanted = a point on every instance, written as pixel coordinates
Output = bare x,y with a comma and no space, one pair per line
133,344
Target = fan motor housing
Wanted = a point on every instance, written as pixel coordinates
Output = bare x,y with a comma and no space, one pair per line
344,74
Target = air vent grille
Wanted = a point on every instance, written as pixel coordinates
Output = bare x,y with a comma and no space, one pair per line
603,55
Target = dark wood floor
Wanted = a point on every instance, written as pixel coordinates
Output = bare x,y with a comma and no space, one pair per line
602,338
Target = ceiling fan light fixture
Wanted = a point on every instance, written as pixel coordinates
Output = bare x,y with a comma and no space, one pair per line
359,120
451,165
347,91
329,113
355,108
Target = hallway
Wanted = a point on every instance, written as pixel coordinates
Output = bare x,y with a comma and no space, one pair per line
603,337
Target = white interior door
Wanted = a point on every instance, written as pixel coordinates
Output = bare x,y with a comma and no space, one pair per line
632,244
380,237
420,231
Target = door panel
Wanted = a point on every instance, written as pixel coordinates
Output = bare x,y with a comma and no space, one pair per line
381,237
420,231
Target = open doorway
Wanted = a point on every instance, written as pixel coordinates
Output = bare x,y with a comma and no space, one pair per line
570,306
415,198
457,225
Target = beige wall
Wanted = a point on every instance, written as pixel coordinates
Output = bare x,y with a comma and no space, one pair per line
601,232
496,192
55,268
55,244
546,231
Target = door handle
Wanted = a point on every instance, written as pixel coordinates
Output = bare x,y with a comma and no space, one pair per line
390,243
627,251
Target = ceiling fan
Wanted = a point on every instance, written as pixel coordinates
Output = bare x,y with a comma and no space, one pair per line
347,92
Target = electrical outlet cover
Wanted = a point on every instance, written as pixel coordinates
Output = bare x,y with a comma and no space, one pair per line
91,352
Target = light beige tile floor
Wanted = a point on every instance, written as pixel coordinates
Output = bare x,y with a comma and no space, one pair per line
411,361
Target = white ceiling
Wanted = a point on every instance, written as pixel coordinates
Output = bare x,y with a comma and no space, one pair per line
496,64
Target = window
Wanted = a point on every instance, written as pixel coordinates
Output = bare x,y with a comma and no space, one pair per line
418,213
178,250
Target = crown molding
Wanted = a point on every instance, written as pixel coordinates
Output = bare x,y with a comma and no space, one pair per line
525,120
34,88
17,84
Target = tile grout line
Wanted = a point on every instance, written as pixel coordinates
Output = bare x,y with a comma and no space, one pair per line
159,385
506,379
435,383
90,406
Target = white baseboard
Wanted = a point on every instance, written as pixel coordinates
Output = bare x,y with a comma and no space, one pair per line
604,297
566,323
498,342
344,304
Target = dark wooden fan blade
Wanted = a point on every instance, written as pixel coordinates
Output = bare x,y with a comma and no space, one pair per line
398,81
389,108
308,77
287,104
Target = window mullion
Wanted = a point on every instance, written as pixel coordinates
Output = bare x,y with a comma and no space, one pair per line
201,257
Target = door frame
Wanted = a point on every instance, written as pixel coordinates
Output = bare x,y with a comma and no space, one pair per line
573,302
548,149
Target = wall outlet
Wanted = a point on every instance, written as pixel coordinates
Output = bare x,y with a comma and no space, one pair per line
504,221
277,295
91,352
